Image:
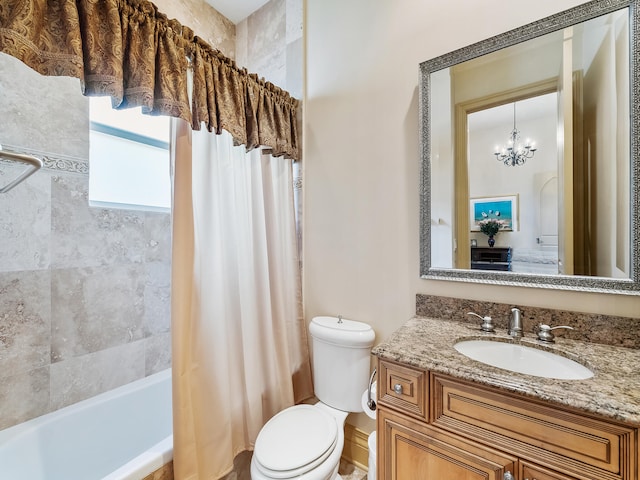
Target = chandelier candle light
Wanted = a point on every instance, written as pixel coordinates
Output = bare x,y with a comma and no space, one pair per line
515,153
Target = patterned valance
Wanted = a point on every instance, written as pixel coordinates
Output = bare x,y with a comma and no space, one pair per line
129,50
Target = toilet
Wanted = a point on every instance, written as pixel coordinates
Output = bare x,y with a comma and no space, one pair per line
305,441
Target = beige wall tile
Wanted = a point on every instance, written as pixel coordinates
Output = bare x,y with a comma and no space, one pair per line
83,377
25,216
25,322
24,396
87,236
206,22
43,113
95,308
157,353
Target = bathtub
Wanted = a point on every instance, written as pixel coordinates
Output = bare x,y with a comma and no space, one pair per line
122,434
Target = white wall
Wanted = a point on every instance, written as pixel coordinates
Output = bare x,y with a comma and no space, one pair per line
361,156
604,116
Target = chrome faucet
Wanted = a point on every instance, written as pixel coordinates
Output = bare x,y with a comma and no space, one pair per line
515,323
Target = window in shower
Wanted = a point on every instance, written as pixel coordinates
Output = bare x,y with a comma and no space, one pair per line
128,158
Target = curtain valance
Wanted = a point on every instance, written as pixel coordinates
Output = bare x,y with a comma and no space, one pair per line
129,50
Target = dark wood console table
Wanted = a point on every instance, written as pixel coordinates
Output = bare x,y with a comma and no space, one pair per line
487,258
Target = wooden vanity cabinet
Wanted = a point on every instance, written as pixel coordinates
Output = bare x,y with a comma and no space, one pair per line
436,427
412,451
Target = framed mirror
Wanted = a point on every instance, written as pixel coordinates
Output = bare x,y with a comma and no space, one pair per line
530,155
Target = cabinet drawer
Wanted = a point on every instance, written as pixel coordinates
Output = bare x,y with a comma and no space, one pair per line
560,439
403,388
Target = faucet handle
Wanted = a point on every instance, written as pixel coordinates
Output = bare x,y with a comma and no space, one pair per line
544,332
487,322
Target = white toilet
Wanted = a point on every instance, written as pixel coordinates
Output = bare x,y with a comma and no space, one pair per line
305,441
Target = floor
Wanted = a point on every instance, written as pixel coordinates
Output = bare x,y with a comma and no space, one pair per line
351,472
243,461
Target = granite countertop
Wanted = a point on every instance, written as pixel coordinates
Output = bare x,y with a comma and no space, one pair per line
613,391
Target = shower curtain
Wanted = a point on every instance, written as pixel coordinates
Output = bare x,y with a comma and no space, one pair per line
240,351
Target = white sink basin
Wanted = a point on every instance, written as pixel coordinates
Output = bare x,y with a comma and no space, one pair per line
518,358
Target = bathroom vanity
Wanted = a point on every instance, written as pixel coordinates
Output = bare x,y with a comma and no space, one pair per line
442,415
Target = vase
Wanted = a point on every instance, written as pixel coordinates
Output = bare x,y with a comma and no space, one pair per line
491,241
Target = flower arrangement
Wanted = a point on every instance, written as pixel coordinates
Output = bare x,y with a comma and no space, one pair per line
491,226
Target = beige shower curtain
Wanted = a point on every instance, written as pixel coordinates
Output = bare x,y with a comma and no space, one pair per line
240,350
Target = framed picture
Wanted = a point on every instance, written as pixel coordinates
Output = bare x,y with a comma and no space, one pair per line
500,208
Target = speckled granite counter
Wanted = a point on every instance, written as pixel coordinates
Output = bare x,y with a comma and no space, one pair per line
614,390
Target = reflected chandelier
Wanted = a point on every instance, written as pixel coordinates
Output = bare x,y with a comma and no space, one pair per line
515,153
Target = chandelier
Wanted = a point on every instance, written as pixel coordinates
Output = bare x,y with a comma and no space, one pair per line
515,153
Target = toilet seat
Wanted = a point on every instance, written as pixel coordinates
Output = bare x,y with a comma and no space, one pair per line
295,441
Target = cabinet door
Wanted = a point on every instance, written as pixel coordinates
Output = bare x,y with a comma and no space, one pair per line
535,472
411,450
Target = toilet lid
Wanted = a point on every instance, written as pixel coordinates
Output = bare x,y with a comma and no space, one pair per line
298,438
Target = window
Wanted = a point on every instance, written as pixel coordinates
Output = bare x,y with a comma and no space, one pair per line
128,158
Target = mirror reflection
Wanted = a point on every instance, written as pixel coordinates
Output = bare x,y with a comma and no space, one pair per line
529,158
521,199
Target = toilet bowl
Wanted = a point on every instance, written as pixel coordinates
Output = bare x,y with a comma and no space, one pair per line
305,442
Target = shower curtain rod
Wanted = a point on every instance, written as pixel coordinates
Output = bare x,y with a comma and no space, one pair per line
33,165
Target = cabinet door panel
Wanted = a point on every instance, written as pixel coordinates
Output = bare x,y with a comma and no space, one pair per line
414,451
534,472
420,460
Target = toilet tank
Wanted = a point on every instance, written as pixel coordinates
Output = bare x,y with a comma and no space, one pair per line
341,360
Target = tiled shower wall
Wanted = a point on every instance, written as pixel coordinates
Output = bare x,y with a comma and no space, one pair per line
84,292
269,42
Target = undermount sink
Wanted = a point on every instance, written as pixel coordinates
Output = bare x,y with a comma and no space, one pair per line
521,359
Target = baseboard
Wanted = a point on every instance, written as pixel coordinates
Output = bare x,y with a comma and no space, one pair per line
356,447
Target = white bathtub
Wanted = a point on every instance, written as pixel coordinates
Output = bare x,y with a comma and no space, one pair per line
123,434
